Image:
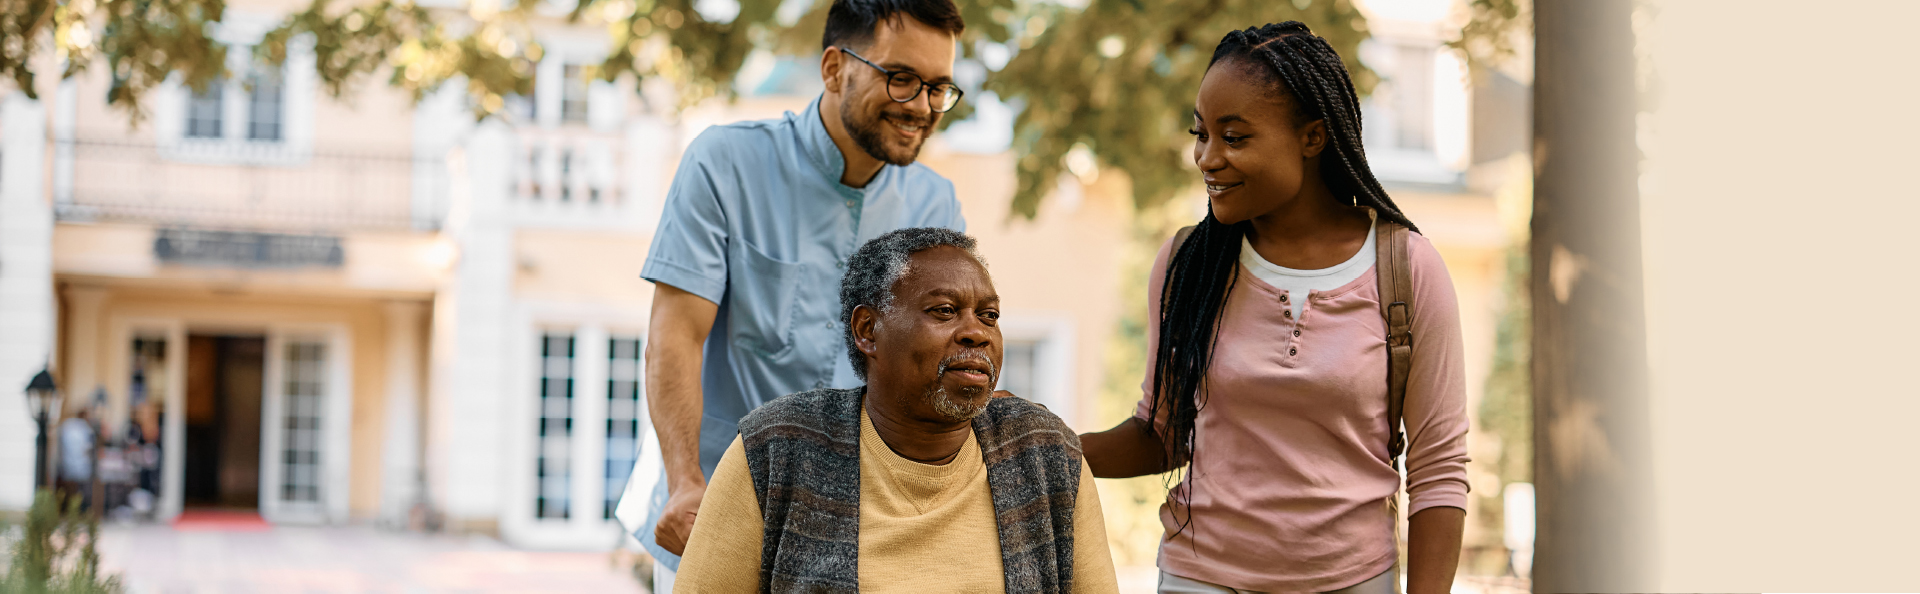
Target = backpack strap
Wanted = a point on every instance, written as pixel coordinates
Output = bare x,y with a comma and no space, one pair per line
1395,270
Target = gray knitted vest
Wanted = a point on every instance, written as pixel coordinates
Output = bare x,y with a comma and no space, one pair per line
804,453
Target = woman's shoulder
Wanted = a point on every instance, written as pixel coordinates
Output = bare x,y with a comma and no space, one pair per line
1164,255
1431,280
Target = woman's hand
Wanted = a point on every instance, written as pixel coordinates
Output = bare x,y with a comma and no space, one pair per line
1433,549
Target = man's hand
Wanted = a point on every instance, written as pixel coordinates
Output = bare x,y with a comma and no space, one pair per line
676,521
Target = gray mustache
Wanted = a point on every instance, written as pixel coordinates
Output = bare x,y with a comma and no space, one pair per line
993,372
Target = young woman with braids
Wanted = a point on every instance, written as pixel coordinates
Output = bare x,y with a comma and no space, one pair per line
1267,377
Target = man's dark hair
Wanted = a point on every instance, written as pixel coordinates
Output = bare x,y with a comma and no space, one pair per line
850,23
875,267
1299,68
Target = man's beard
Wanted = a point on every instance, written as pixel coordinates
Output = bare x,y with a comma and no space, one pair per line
870,133
944,402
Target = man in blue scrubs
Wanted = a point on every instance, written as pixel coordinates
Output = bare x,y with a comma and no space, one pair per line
758,226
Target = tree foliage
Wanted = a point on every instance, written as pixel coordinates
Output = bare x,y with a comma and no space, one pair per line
1493,30
1119,78
1116,77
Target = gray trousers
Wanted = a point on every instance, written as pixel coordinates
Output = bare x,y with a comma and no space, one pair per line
1173,584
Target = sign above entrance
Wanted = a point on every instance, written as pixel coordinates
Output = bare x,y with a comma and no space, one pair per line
248,249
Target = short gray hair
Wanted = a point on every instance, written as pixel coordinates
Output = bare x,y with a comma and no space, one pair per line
876,266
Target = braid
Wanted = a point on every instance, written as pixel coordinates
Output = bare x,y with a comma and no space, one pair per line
1201,273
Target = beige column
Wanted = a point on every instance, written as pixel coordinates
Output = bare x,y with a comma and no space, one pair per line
400,476
83,344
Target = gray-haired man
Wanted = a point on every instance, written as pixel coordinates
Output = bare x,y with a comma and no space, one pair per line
920,478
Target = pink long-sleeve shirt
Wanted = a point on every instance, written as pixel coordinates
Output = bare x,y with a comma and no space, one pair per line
1290,474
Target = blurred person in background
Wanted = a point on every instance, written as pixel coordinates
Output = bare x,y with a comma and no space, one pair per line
1270,350
758,225
76,456
921,477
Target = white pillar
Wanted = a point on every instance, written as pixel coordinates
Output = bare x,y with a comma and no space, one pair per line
470,330
400,460
26,287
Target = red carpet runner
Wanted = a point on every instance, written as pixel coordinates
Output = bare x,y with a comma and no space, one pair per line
213,520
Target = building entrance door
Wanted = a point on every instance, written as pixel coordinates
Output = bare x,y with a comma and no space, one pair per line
226,376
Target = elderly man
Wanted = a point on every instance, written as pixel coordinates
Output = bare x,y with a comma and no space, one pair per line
921,480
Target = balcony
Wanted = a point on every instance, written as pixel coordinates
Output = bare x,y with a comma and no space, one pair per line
98,179
569,177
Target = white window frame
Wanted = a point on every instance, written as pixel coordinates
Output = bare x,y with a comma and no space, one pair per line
173,427
1054,364
592,326
606,104
336,435
241,31
1444,161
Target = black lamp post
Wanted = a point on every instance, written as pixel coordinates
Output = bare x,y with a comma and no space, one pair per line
42,401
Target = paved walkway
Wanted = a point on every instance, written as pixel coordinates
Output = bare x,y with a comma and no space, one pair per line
156,559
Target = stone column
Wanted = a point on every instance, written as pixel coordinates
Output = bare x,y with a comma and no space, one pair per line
26,288
400,459
471,315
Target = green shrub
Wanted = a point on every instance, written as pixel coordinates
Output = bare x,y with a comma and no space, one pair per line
53,552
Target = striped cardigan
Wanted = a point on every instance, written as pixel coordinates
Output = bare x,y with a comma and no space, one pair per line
803,451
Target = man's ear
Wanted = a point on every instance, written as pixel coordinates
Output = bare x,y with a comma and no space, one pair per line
1313,138
863,323
831,61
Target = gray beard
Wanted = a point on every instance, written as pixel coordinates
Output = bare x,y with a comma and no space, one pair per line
947,406
944,403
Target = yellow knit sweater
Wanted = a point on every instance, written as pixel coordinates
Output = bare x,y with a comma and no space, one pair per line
923,529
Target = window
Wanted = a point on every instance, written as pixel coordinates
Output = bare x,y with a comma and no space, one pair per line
305,387
1417,117
552,469
149,380
263,97
623,417
573,93
204,107
1017,367
1411,87
264,104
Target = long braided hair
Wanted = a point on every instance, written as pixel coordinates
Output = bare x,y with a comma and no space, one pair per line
1200,276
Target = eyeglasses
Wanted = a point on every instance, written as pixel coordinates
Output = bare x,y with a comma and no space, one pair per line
906,86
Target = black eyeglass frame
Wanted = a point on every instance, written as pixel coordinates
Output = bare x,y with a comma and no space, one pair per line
924,86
